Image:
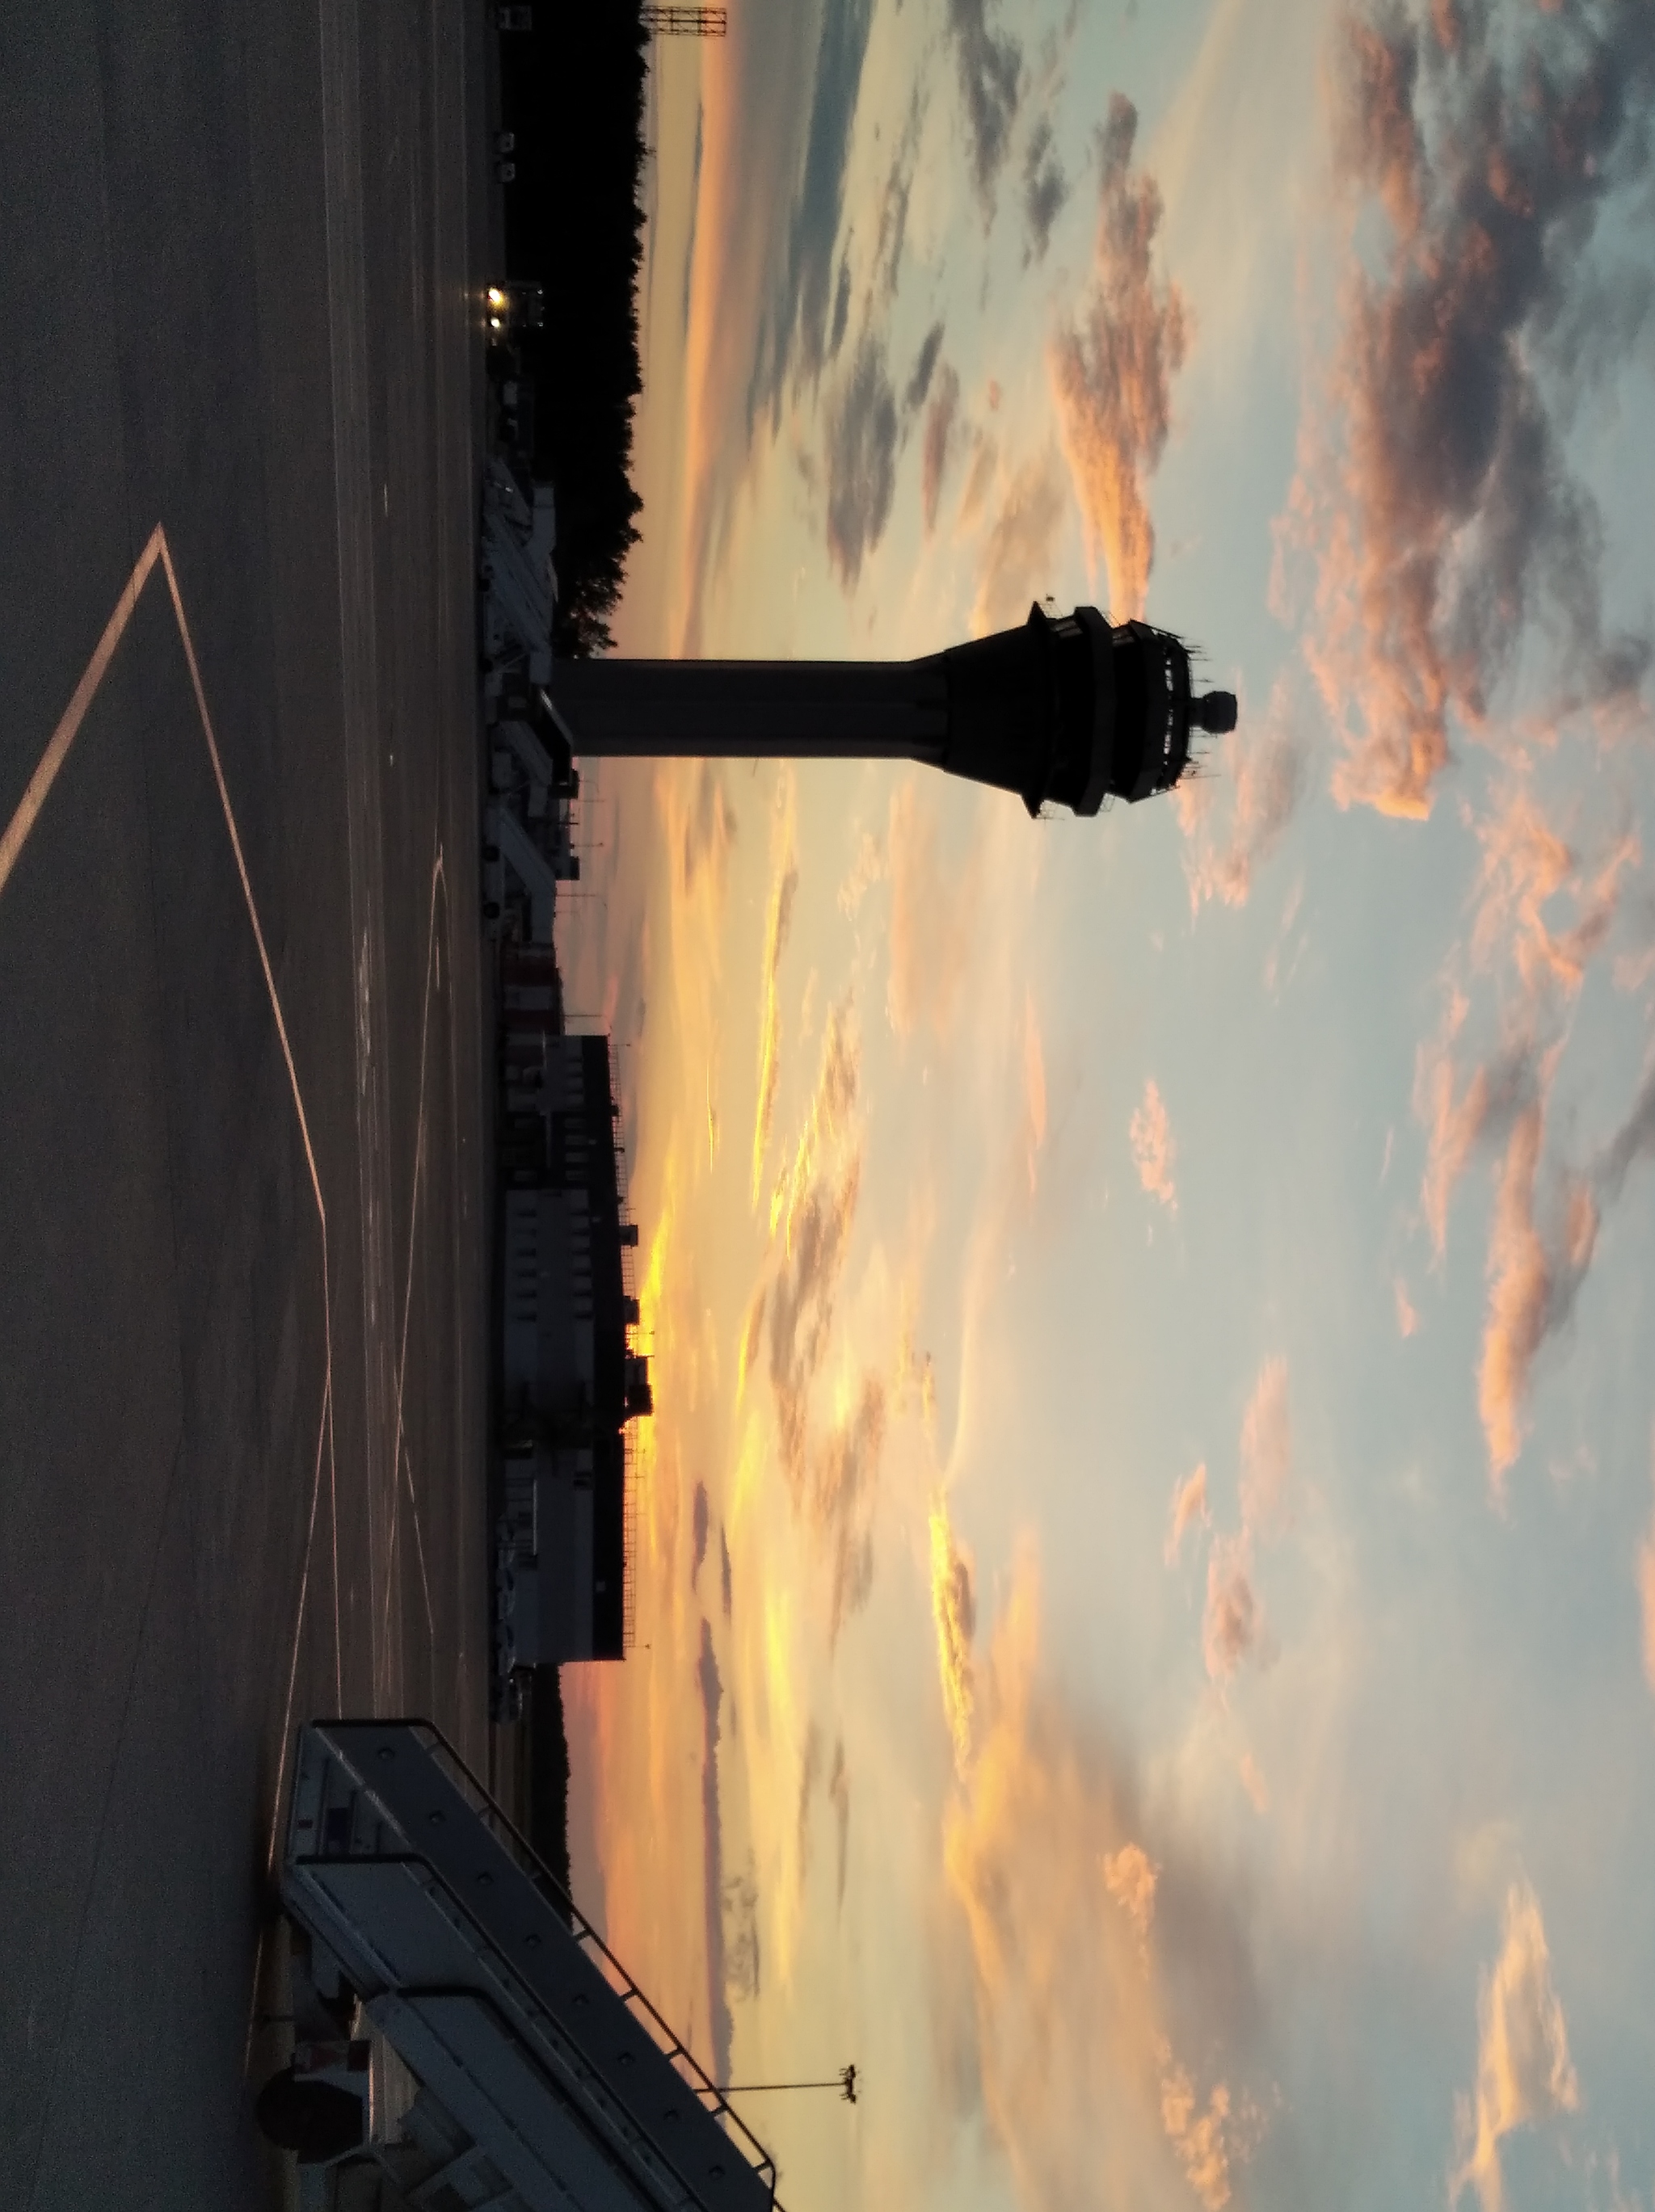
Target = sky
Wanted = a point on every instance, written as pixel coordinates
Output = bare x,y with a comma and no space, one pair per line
1147,1543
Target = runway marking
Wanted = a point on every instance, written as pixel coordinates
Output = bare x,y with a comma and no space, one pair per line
16,836
400,1462
74,715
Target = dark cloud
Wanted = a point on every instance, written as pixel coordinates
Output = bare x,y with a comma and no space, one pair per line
798,333
918,384
940,421
742,1960
1045,189
844,1472
724,1570
839,1798
863,434
698,1530
810,1773
841,312
990,81
1454,515
720,2027
694,209
1633,1140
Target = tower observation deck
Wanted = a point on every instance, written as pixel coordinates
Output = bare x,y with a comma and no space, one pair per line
1070,710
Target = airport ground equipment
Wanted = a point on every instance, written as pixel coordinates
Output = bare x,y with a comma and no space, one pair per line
547,2080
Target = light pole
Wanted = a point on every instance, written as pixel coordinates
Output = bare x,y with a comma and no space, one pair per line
844,2081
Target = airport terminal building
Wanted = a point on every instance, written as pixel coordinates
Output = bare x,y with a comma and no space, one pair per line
571,1379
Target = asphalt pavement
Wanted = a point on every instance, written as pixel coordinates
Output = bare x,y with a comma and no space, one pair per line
243,1176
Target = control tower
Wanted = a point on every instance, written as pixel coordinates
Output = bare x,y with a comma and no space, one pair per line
1067,710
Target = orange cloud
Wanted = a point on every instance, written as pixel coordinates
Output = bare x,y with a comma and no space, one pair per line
1153,1152
953,1607
1266,1449
1130,1877
1531,1287
1408,1320
1111,377
1434,500
1077,1938
1189,1508
1524,2074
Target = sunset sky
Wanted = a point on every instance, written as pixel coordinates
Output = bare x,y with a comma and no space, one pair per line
1146,1557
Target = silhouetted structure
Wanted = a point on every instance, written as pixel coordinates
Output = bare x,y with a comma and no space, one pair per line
672,22
1070,710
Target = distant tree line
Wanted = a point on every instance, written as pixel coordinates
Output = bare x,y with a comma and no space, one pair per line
572,94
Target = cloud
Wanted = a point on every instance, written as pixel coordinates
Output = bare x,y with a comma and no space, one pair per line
862,434
933,911
1045,188
1189,1510
767,233
724,1592
1524,2074
802,325
1632,1141
953,1607
918,384
831,1473
1129,1876
1153,1152
1440,510
1543,910
1015,558
699,1530
1408,1319
1112,375
990,68
784,888
844,1470
1232,1623
705,831
816,1206
1266,1451
1533,1281
1089,1958
743,1960
1647,1600
711,1690
938,448
839,1798
810,1773
1495,1093
1263,772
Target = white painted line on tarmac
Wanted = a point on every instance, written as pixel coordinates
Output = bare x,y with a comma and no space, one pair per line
15,836
57,752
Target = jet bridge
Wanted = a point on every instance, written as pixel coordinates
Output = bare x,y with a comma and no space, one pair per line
548,2081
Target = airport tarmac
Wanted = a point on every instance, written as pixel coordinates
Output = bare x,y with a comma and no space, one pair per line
242,1183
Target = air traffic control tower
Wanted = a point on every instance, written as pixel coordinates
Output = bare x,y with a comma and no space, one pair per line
1069,710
